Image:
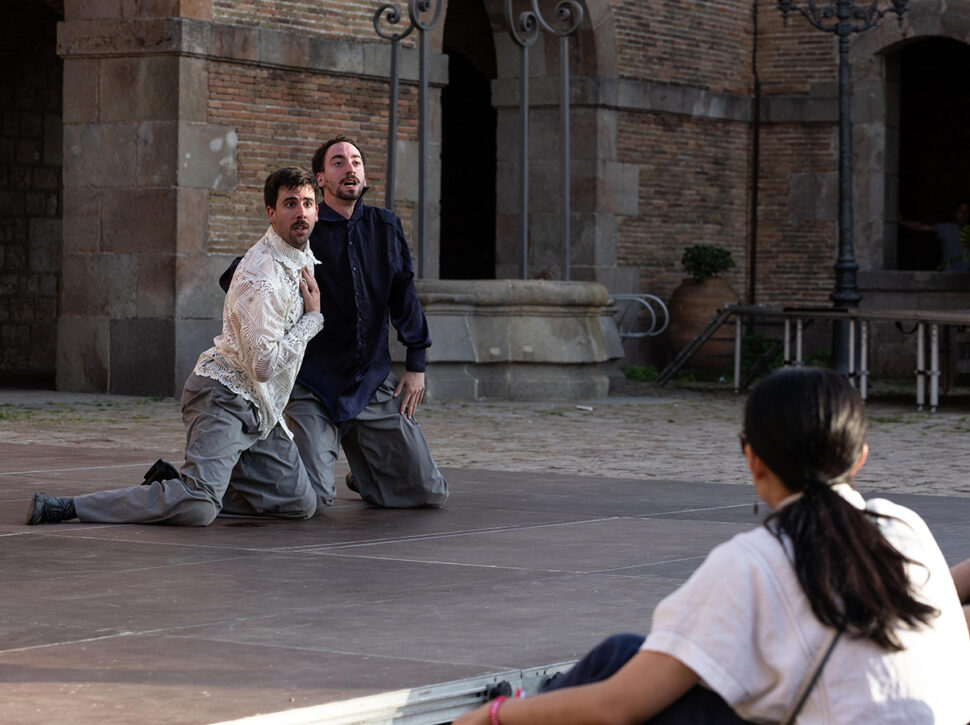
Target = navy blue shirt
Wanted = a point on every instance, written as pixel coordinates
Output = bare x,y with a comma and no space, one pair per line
365,275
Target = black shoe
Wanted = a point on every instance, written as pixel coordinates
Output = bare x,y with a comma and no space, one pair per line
349,480
46,509
160,471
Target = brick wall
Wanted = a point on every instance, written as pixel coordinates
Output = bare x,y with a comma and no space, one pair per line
30,185
703,43
348,19
792,56
695,171
795,255
693,190
281,117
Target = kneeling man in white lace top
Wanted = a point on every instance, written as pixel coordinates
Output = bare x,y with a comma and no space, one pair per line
240,459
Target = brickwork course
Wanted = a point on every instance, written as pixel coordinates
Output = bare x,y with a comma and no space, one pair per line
172,113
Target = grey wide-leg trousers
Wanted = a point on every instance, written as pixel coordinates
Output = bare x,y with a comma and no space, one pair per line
227,470
387,452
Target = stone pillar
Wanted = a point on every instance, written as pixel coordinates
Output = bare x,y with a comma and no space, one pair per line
602,187
137,301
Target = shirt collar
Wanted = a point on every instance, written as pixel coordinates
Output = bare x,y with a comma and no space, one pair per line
326,213
843,489
291,257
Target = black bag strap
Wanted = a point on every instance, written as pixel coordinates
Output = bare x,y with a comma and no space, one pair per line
812,677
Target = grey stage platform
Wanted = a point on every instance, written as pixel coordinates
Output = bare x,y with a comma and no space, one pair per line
151,624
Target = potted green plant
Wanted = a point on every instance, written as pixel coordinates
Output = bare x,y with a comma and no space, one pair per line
695,302
704,261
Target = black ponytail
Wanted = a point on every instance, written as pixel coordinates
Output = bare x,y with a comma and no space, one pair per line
808,426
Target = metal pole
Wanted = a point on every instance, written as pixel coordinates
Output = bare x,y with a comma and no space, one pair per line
524,33
422,154
524,157
524,30
737,353
920,366
392,131
564,143
787,353
851,368
415,8
934,366
390,13
846,293
838,17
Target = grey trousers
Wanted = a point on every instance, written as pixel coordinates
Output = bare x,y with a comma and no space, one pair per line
387,452
228,470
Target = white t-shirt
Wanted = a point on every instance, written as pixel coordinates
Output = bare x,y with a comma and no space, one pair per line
743,624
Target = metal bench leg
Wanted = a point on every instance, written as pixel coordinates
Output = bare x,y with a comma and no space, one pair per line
737,354
934,366
851,368
920,367
787,360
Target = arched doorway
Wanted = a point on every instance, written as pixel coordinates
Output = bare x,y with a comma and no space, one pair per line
468,160
934,143
30,191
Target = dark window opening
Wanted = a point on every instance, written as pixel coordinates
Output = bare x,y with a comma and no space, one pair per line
934,144
468,146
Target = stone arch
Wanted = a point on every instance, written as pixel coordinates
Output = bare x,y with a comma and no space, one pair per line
875,110
593,139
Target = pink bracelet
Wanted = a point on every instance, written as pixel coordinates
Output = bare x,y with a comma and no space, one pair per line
493,710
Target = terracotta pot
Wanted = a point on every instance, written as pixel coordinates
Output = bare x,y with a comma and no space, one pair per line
692,305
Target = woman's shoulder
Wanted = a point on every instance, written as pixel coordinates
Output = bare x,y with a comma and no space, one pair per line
745,554
898,523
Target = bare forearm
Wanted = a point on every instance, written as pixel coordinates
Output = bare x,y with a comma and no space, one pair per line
917,226
961,577
647,684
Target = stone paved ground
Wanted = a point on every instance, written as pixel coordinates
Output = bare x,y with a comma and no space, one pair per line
682,432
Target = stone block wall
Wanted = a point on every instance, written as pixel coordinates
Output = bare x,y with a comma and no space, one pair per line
176,110
705,200
686,43
688,125
30,192
280,116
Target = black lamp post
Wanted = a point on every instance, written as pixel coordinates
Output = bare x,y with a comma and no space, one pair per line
844,17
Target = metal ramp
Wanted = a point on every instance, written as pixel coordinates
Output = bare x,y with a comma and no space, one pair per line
432,705
694,345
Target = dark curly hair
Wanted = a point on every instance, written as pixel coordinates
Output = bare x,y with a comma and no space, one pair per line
321,153
289,177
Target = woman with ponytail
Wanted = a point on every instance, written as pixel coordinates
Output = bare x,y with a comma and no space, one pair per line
837,610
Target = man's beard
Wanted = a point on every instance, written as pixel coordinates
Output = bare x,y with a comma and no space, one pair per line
349,193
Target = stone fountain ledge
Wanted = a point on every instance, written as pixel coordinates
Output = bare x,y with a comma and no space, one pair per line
517,339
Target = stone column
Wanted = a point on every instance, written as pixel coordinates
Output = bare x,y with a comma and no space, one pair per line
602,187
139,164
